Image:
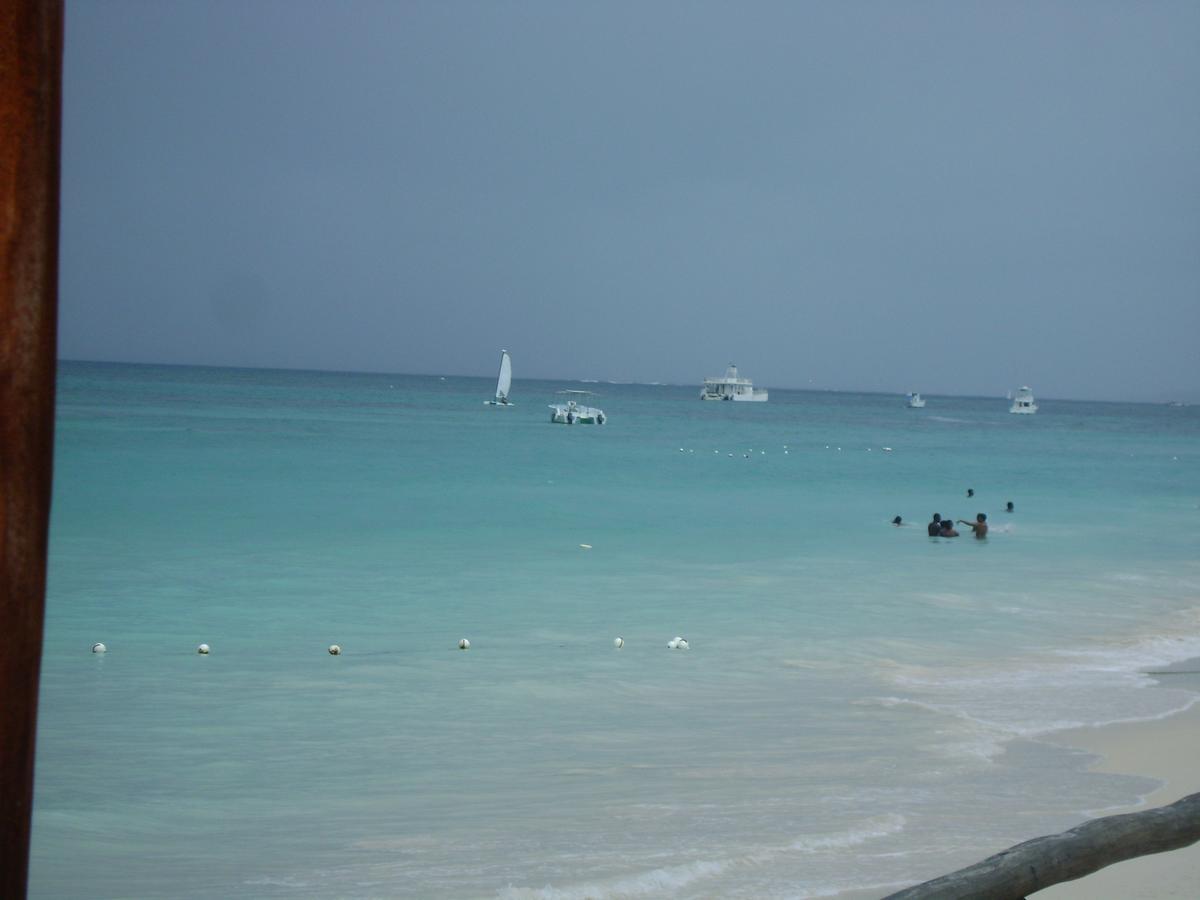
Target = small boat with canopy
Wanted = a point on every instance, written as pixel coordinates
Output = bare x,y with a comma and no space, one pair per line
1023,403
573,412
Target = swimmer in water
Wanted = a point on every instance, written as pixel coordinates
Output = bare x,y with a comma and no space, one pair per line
979,526
970,492
897,521
935,527
947,529
1008,507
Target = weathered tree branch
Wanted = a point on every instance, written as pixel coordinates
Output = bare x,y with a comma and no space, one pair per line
1043,861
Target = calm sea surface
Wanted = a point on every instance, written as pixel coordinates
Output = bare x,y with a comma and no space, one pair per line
860,705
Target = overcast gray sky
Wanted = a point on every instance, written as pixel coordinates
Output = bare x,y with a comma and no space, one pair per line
942,196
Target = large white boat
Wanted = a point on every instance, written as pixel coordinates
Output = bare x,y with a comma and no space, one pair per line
731,387
503,381
1024,403
572,412
915,401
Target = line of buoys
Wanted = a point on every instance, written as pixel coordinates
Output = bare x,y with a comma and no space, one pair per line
748,454
677,643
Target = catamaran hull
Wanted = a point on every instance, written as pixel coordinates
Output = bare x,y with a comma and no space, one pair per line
756,397
569,419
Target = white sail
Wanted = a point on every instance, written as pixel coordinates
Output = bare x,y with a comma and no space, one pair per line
504,382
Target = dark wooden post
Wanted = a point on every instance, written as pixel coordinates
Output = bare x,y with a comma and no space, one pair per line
31,39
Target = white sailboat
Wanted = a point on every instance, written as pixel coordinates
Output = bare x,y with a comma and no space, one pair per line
503,381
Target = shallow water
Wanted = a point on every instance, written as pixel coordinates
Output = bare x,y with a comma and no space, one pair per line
860,704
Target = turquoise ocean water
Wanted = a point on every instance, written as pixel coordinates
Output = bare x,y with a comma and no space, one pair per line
860,705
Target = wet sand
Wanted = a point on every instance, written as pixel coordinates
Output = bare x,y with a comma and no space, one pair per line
1167,750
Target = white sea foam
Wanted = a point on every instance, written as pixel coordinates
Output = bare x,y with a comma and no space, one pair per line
1032,697
647,884
667,879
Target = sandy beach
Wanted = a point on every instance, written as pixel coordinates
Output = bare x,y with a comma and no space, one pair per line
1169,750
1164,749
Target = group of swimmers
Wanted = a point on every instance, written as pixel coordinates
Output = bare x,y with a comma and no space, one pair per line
940,527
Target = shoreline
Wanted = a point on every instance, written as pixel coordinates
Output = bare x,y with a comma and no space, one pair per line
1164,749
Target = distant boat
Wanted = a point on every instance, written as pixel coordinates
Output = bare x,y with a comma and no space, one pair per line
1023,403
573,413
915,401
731,387
503,381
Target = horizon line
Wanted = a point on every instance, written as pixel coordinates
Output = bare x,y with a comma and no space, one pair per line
1185,398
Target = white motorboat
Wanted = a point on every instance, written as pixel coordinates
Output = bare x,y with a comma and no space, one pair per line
572,412
503,381
915,401
1024,403
731,387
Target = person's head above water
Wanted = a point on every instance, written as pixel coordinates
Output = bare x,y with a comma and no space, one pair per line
937,517
982,517
970,492
1009,507
897,520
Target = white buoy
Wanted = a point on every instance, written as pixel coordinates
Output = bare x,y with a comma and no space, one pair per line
618,643
99,648
203,649
464,644
672,644
680,449
335,650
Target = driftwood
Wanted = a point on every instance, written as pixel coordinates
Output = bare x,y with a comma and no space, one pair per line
1043,861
